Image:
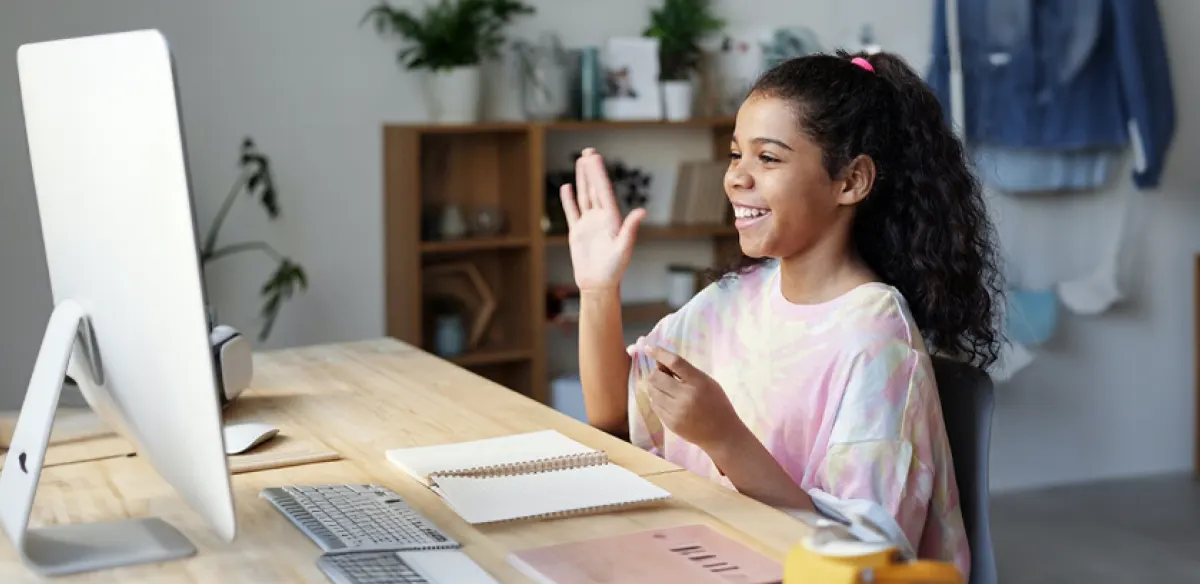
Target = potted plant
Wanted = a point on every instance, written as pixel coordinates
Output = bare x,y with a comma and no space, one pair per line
449,41
679,26
288,278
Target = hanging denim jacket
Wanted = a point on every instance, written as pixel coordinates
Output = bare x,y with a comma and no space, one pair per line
1066,83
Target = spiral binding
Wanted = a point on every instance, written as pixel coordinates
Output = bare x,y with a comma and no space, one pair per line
583,511
529,467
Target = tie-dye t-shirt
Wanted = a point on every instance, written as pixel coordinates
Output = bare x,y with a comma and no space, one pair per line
842,394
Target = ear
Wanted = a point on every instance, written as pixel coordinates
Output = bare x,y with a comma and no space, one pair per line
857,180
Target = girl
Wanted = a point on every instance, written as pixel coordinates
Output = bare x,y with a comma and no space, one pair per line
804,373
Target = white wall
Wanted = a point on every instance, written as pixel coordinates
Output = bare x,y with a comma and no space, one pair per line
313,88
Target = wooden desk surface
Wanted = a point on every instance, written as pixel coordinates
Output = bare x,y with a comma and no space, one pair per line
361,399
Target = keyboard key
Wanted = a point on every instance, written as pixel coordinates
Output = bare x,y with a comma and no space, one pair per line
357,517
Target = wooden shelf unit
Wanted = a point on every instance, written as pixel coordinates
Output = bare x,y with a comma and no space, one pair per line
500,165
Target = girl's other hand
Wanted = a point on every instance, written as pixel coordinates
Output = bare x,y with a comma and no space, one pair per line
690,403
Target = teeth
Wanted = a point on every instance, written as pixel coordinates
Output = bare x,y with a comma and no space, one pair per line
748,212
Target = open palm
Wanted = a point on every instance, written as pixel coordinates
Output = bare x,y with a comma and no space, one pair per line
601,242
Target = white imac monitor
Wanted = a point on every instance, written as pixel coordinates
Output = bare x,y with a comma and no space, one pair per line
129,323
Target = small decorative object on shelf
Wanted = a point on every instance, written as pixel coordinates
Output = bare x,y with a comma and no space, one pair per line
681,284
631,185
452,225
450,40
488,222
739,63
591,84
788,43
679,26
449,330
462,280
545,78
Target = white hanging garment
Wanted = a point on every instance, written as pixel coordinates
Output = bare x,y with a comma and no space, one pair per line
1051,239
1100,290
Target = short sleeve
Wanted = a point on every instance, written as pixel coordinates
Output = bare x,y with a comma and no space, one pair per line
874,453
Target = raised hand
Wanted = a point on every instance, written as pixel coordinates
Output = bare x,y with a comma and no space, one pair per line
601,243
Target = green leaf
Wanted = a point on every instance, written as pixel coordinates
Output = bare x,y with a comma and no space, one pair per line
289,277
679,26
449,33
280,286
259,181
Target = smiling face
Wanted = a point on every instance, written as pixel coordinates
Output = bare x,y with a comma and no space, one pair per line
784,201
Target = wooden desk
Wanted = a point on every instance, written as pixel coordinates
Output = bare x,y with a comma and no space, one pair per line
361,399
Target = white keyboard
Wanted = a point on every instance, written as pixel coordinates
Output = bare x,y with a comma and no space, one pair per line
357,517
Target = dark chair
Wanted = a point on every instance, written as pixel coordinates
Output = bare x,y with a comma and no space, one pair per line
967,402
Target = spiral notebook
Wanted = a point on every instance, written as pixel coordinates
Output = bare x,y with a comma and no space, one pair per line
534,475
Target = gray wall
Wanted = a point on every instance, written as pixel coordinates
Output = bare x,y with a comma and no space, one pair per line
1112,395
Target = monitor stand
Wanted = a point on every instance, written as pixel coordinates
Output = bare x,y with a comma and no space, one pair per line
72,548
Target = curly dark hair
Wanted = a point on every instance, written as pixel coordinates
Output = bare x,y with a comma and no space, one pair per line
924,228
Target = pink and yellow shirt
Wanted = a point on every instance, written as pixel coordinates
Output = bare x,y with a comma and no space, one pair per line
841,393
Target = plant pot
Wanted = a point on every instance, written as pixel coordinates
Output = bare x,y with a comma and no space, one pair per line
677,100
454,95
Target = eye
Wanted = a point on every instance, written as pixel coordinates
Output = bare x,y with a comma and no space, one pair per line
767,158
735,155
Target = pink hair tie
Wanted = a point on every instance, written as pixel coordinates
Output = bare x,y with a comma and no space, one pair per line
861,62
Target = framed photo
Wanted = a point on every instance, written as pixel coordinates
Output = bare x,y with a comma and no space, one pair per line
631,85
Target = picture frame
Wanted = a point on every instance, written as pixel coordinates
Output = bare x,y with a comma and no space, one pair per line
630,72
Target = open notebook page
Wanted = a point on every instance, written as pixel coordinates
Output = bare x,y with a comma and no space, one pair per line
546,494
483,456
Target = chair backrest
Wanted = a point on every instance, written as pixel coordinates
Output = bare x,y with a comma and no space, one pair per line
967,401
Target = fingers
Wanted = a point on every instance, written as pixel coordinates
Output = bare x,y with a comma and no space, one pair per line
628,233
668,397
592,181
568,204
582,181
676,365
599,186
663,411
666,385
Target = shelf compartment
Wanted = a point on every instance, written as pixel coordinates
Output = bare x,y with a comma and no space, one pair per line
505,277
476,171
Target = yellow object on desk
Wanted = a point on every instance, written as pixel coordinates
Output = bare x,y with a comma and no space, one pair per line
854,562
